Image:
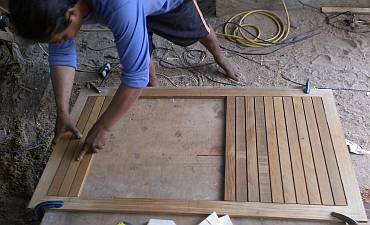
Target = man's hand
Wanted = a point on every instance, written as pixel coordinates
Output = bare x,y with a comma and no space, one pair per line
98,135
95,141
65,124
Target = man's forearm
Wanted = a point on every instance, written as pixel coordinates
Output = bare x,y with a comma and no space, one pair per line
121,103
62,78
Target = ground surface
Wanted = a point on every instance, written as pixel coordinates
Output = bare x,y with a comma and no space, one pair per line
334,58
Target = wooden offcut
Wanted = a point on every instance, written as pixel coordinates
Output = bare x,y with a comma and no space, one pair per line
336,10
285,157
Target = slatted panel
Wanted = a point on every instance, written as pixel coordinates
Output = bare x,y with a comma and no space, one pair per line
68,168
284,152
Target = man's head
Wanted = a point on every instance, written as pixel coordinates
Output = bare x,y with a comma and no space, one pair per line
46,20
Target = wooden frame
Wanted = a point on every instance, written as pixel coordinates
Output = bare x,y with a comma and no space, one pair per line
352,207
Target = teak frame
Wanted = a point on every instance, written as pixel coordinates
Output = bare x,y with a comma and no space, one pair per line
354,207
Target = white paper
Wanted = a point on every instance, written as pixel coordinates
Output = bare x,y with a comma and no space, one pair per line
356,149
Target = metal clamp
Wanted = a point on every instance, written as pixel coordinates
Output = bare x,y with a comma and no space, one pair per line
344,218
41,208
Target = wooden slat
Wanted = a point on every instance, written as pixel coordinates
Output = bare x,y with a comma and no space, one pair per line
200,207
345,9
84,165
286,168
230,150
223,92
252,166
262,154
73,165
273,152
330,158
308,164
317,152
295,152
68,154
241,154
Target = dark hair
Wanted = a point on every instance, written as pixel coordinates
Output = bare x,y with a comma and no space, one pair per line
37,20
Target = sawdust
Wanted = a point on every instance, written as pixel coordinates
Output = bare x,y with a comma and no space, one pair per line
365,194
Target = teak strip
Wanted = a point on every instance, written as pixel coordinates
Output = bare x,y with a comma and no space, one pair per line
345,9
317,153
73,165
84,165
295,152
262,154
330,158
273,152
230,150
241,154
64,164
304,142
252,167
286,167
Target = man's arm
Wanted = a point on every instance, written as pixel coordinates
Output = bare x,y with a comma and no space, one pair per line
62,79
121,103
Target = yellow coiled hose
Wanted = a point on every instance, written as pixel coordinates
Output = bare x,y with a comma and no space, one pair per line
233,29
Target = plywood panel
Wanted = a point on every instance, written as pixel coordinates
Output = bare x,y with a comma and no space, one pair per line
166,151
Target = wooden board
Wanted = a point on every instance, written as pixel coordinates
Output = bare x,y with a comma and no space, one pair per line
345,9
274,149
232,7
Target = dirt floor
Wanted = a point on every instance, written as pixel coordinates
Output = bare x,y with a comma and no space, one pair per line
333,58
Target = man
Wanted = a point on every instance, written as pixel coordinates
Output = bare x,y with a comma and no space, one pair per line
132,22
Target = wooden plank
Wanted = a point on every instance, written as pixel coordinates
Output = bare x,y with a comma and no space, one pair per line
221,92
241,154
200,207
345,9
73,164
84,165
230,150
317,153
273,152
262,154
286,167
330,158
252,162
347,172
295,152
68,154
304,142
